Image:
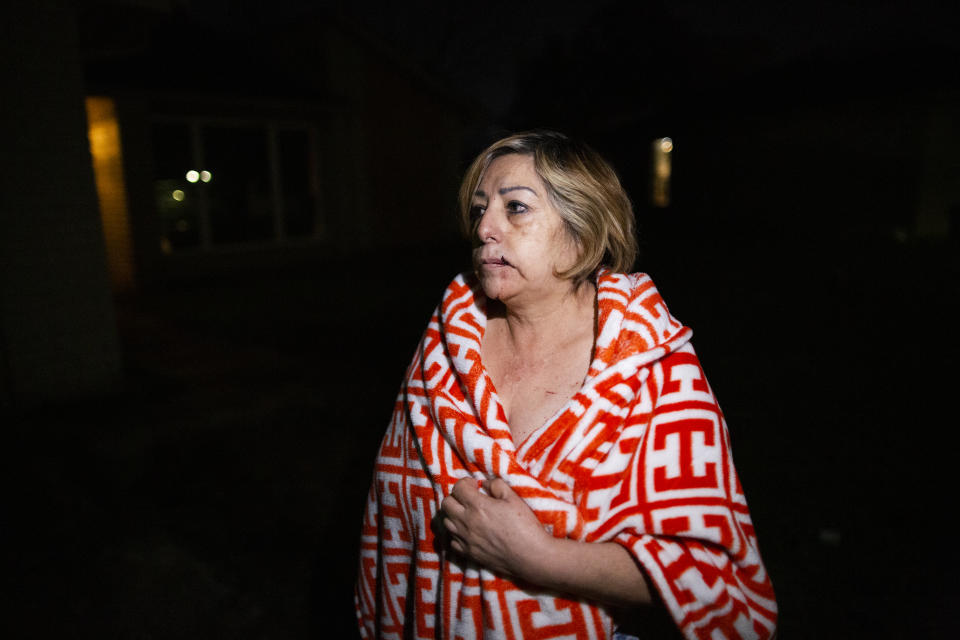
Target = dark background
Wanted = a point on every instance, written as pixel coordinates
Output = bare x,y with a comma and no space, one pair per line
189,457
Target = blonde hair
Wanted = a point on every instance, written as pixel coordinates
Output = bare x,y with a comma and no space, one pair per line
583,188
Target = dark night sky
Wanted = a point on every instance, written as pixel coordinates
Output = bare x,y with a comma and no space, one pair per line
493,52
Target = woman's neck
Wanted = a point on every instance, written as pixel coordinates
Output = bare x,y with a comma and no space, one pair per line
535,328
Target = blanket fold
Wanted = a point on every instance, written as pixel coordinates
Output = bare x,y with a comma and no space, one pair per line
639,456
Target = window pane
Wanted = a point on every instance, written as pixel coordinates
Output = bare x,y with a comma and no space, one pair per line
176,200
297,173
238,191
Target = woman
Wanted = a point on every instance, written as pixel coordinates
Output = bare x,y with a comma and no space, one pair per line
555,454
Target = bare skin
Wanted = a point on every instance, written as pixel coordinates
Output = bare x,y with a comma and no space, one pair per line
538,363
537,349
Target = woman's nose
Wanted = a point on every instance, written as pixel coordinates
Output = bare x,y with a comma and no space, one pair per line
490,226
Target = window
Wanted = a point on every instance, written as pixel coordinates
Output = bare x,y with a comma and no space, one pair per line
661,168
234,183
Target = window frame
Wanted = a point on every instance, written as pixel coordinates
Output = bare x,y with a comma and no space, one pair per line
272,127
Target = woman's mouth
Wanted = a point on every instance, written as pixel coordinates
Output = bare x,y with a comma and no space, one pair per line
495,262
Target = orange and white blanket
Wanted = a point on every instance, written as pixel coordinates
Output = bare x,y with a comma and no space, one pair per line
640,456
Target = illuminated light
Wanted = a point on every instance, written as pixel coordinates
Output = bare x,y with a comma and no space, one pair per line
106,153
660,171
183,226
177,195
193,176
206,176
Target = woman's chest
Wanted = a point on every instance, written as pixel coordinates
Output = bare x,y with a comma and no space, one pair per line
532,393
529,404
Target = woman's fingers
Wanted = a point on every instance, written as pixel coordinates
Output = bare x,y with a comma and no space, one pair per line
450,525
465,490
452,514
499,489
455,507
452,511
493,527
477,519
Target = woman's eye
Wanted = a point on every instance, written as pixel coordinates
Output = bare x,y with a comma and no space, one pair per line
476,212
516,207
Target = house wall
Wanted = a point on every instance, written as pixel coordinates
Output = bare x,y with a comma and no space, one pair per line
57,329
407,138
835,173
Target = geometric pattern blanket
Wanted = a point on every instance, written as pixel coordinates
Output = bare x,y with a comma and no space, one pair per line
640,456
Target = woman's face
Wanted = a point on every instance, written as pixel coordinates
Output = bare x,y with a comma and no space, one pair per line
521,239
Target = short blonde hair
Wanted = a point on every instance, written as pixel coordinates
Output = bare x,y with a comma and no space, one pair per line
584,189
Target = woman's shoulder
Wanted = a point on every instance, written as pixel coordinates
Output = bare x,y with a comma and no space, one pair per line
630,286
631,305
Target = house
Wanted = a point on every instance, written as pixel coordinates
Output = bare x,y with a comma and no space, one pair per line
238,147
143,145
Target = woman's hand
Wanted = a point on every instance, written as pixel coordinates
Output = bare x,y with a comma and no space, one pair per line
497,531
501,533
